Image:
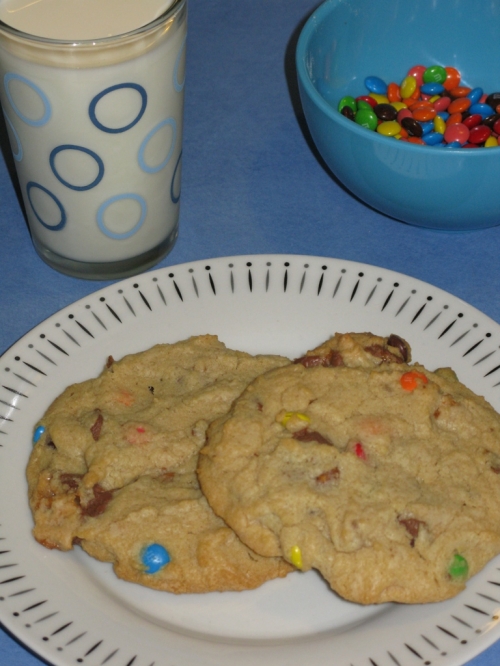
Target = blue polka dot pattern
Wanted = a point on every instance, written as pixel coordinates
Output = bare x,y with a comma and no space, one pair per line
95,156
51,227
121,197
149,136
47,114
179,85
110,90
176,180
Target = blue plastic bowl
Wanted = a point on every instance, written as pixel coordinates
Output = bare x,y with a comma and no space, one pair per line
342,43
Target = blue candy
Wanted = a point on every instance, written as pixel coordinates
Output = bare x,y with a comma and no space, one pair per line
154,557
432,138
375,85
38,433
483,110
475,95
432,88
427,127
444,115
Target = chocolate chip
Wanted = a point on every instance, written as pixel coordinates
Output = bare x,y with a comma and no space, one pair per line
306,435
399,344
96,428
331,475
98,505
331,360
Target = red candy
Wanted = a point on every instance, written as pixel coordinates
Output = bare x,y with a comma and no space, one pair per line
359,451
457,132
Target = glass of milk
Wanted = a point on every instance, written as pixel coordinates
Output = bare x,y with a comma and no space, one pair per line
92,96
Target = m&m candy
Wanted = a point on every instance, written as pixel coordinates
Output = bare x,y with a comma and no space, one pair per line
154,557
429,106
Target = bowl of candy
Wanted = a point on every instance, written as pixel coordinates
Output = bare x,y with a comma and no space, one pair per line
402,100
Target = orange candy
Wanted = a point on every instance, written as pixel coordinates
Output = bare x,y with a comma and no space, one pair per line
393,94
460,91
423,114
453,119
452,78
417,140
411,380
459,105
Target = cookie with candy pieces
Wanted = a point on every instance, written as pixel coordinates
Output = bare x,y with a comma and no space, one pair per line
383,476
113,468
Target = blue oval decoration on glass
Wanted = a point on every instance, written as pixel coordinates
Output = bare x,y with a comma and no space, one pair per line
120,197
142,162
175,197
95,156
47,113
17,154
51,227
107,91
179,85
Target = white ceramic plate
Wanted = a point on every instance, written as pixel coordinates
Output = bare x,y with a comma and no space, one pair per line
70,609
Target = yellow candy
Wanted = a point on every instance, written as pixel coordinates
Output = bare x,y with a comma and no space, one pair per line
297,415
399,105
434,98
397,136
407,87
296,557
491,142
380,99
389,128
439,125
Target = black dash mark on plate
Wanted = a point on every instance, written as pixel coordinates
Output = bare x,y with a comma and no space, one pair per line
320,283
113,313
33,367
63,351
84,328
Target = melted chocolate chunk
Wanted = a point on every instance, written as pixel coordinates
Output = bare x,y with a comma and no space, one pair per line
96,428
331,475
400,345
70,480
306,435
412,526
331,360
98,505
384,354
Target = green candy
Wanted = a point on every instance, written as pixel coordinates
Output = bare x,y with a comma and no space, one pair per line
366,118
348,101
459,567
434,74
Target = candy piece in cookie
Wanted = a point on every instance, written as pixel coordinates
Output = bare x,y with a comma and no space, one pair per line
385,478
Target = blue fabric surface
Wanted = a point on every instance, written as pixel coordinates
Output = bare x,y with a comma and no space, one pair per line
251,183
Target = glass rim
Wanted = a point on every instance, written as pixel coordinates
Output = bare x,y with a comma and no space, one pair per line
36,39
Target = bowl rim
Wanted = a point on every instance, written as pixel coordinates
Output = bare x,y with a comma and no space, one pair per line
314,20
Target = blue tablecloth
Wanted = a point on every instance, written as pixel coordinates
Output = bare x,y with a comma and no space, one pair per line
252,183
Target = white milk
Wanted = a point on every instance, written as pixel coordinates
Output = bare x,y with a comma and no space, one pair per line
96,130
80,19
